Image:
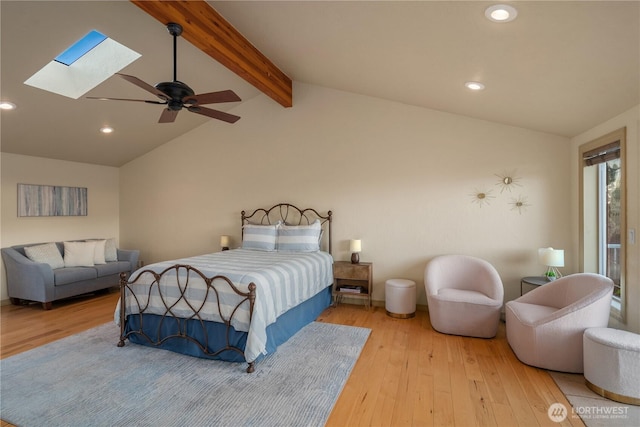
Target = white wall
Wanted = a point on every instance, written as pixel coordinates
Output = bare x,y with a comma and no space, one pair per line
400,178
102,185
631,120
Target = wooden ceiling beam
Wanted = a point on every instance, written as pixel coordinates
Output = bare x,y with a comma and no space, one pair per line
206,29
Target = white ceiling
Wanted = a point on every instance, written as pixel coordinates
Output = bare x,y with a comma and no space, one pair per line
560,67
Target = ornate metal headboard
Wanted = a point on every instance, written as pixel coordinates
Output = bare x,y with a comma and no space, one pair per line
291,215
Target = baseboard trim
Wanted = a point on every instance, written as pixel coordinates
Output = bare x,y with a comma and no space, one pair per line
375,303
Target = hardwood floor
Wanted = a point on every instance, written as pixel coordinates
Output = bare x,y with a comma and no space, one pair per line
407,374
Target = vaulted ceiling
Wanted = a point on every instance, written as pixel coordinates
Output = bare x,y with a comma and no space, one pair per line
559,67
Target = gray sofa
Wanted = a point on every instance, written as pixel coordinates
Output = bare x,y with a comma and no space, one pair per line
32,281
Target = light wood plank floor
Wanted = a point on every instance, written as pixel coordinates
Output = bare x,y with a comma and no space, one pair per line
407,374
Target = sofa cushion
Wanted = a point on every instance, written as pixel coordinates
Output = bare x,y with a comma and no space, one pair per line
64,276
528,314
464,295
112,268
47,253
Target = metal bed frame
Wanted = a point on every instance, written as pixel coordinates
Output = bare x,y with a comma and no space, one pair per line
284,212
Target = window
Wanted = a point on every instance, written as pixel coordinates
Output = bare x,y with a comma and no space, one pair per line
602,209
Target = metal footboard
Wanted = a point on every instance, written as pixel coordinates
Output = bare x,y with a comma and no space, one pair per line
213,285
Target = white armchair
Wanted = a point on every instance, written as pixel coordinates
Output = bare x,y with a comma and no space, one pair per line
545,326
464,295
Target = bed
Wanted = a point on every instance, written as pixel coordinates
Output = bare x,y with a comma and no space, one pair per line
235,305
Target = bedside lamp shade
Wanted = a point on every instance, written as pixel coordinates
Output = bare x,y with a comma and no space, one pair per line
552,258
224,242
355,247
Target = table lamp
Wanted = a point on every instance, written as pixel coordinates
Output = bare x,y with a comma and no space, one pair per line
552,258
224,242
355,246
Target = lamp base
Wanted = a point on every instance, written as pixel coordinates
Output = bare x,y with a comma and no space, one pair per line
355,258
552,274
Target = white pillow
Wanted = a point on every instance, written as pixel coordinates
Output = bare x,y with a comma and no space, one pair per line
47,253
110,250
98,257
79,254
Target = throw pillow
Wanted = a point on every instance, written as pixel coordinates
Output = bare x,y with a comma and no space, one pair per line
47,253
110,250
99,255
79,254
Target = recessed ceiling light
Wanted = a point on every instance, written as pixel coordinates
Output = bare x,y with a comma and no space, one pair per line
5,105
474,85
501,13
106,129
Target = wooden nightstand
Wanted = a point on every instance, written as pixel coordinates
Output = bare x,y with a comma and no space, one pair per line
352,281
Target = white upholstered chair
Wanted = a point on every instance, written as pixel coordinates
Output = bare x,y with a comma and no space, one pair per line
464,295
545,326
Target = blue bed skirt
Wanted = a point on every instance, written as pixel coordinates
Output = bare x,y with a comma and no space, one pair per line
214,334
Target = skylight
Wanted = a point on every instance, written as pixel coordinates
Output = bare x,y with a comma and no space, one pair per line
83,66
81,47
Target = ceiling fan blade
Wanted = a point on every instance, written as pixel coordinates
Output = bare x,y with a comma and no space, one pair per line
214,114
136,81
125,99
168,116
212,98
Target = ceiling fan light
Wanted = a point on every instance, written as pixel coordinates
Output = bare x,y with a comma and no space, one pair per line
106,129
501,13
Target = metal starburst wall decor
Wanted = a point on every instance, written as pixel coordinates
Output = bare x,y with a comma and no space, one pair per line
482,197
508,181
520,203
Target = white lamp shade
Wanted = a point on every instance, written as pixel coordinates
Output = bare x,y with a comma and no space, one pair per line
355,246
551,257
224,241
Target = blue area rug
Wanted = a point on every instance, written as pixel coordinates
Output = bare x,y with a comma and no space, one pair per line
86,380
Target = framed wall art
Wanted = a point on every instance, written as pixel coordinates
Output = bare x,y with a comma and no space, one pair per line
48,200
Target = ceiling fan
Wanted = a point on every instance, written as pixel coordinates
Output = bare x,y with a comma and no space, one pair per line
176,95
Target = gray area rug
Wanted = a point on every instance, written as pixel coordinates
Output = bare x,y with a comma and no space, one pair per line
86,380
593,409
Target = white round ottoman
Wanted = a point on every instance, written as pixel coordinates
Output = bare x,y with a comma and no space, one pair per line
400,298
612,364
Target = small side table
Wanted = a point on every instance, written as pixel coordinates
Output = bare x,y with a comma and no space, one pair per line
352,280
533,281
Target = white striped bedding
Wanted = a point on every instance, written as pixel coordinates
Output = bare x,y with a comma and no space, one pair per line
283,280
